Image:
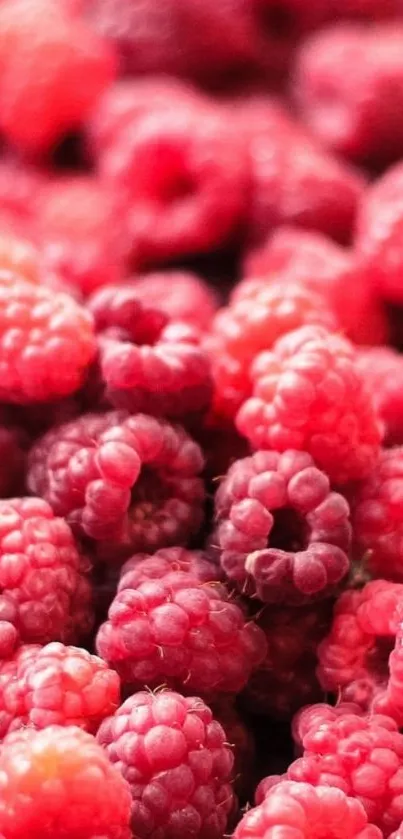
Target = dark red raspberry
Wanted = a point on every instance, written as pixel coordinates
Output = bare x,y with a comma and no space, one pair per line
185,174
284,536
128,482
349,88
309,395
176,759
379,234
59,782
46,342
247,326
171,627
13,446
292,255
300,811
382,368
287,679
146,363
40,76
182,296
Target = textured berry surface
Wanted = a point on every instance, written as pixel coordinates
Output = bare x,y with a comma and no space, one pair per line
309,395
175,757
182,296
382,368
59,783
284,535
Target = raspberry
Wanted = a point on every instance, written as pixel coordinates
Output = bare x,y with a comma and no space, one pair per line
186,177
180,295
129,482
46,344
242,742
292,255
286,679
309,395
57,783
145,363
197,563
247,326
169,626
300,811
379,234
175,757
284,536
382,368
390,700
56,685
20,257
348,85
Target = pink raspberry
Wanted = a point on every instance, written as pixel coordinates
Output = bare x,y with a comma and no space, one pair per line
130,483
182,296
40,76
56,685
59,782
171,627
348,85
309,395
382,368
176,759
44,593
300,811
284,536
308,258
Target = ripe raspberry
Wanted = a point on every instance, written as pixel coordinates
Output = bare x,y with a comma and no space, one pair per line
292,255
382,368
44,593
185,174
379,234
309,395
129,482
389,701
286,679
284,536
168,626
57,783
301,811
47,342
40,76
348,85
56,685
197,563
247,326
180,295
176,759
145,363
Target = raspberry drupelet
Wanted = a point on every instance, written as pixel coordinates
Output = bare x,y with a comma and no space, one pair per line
284,535
59,783
45,594
168,626
382,368
129,483
299,811
198,563
309,395
177,761
182,296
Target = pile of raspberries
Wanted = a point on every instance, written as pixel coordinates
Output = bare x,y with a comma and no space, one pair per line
201,419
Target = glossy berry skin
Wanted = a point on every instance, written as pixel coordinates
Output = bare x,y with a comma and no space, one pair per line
309,395
175,757
284,536
170,627
382,368
127,482
299,811
59,783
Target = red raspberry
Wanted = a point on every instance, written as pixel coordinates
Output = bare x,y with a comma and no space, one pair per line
168,626
175,757
182,296
348,84
40,76
379,234
46,342
305,257
382,368
283,534
147,364
56,685
309,395
247,326
286,679
197,563
129,482
59,782
299,811
185,174
390,700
